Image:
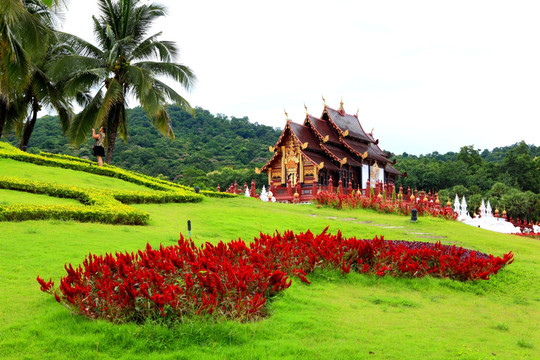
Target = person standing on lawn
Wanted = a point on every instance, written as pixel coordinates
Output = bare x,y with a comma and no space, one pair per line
99,150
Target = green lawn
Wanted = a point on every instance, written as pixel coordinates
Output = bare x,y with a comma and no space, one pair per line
56,175
351,317
10,197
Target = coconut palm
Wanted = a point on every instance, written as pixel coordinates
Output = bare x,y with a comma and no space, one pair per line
41,90
125,62
23,37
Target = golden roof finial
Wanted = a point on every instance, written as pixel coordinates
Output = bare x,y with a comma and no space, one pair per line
341,104
357,111
371,133
324,101
287,115
305,107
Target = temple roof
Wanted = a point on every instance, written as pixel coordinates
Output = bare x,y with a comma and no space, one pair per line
345,138
317,158
349,122
314,151
339,154
322,128
305,135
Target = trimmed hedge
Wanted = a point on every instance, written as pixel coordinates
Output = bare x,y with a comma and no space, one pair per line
78,164
95,206
161,197
217,194
116,215
110,203
63,161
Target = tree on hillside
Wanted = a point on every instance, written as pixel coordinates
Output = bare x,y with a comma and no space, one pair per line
470,156
41,90
125,62
520,166
23,37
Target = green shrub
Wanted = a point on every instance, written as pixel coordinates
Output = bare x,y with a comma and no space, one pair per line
95,206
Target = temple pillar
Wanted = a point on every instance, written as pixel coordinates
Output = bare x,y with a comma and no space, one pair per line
289,187
283,166
301,166
252,191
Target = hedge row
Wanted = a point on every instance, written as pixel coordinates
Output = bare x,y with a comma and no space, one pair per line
95,206
116,215
111,203
69,162
136,176
217,194
157,197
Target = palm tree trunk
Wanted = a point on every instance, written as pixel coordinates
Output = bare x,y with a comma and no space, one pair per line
29,126
112,132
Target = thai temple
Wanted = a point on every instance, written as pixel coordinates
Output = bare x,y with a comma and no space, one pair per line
327,151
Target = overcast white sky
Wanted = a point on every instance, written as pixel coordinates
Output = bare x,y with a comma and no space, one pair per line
427,75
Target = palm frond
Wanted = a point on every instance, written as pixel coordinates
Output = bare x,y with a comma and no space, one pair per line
152,48
140,79
177,72
15,66
114,96
84,121
83,81
17,22
161,120
173,96
122,124
143,18
79,46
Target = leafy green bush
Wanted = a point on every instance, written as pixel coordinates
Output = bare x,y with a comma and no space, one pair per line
216,194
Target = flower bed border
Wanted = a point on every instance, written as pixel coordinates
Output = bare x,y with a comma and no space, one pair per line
235,280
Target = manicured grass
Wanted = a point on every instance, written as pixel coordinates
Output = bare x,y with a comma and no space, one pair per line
9,197
28,171
351,317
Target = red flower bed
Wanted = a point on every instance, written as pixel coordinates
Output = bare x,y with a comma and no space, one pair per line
234,280
531,235
353,201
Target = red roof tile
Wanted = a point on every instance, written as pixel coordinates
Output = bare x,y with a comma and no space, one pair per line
341,153
348,122
323,128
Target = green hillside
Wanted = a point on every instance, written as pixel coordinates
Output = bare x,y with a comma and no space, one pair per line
203,144
217,149
336,317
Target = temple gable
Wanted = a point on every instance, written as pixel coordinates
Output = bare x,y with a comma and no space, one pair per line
333,149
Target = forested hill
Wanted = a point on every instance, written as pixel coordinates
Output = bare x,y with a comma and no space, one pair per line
516,166
202,145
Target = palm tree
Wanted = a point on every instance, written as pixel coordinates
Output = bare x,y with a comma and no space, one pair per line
41,90
126,62
23,37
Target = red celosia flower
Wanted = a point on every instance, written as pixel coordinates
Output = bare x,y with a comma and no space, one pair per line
235,280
